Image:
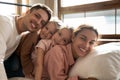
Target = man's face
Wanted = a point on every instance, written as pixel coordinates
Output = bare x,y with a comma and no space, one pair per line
35,20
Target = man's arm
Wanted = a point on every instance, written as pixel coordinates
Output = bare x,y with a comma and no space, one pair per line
2,55
27,48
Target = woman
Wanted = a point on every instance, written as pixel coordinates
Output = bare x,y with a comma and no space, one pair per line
59,60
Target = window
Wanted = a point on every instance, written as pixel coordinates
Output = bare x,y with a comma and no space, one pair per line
118,21
101,20
24,8
73,20
8,7
65,3
104,16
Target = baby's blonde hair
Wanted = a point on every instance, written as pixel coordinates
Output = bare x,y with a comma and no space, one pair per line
70,30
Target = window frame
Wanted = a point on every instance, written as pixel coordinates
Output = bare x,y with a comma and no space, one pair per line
87,7
107,5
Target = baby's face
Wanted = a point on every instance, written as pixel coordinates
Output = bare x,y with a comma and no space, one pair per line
62,37
48,31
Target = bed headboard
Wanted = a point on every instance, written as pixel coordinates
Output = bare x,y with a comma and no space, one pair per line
108,38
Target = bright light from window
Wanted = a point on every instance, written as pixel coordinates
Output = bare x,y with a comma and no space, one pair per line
118,21
66,3
103,21
74,20
104,24
24,8
6,9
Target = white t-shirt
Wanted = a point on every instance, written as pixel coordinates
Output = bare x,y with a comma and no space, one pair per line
9,40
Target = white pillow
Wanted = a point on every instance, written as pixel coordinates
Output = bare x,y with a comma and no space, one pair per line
102,63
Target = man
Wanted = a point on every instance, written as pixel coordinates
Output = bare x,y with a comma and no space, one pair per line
12,27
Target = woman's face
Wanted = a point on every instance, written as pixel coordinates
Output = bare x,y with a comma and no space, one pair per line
48,31
83,43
